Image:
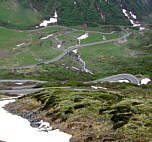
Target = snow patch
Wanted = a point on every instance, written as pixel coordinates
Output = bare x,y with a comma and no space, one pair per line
125,12
145,81
123,81
19,83
95,87
36,27
134,16
59,46
82,37
18,45
44,126
104,38
120,81
47,36
135,24
52,20
14,128
75,2
142,28
75,51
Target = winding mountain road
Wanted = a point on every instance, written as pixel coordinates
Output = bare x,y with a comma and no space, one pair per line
21,87
22,81
21,92
129,77
67,51
64,27
25,91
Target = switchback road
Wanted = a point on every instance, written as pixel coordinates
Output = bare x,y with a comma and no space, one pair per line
129,77
67,51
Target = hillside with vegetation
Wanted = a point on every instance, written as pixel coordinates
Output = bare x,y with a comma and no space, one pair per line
27,13
58,72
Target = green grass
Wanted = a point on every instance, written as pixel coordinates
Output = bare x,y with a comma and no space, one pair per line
54,72
98,58
25,59
107,49
13,14
96,37
11,55
49,30
92,37
125,116
70,39
10,38
112,36
104,60
110,59
36,50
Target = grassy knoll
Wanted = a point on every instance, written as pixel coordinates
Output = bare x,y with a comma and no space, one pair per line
70,39
112,36
113,58
10,38
99,58
33,51
96,115
133,56
96,37
12,13
93,37
36,50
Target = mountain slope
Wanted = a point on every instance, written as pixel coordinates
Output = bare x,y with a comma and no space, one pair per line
13,13
75,12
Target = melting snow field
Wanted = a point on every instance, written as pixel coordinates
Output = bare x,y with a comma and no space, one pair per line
95,87
16,129
18,45
82,37
145,81
52,20
133,19
123,81
46,37
59,46
133,16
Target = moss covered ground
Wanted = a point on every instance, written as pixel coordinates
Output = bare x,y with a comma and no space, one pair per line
120,113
